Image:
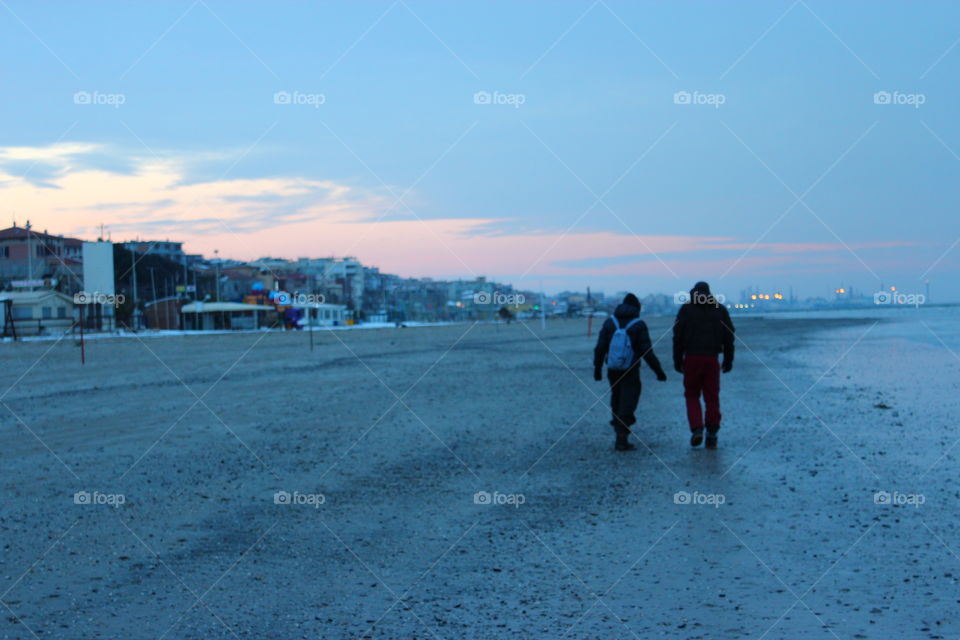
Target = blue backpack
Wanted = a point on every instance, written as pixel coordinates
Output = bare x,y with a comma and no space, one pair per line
620,353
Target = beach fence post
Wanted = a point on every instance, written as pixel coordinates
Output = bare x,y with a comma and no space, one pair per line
83,355
310,328
543,311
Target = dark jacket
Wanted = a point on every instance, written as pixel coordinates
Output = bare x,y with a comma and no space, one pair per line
639,339
703,329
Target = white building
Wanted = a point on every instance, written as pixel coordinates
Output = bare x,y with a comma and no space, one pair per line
206,316
44,312
322,314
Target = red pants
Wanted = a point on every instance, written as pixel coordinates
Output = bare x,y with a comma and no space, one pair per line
701,375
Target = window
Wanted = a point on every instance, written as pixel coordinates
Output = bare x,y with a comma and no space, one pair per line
47,313
22,313
4,252
61,312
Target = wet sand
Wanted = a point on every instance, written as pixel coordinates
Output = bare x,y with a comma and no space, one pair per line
380,440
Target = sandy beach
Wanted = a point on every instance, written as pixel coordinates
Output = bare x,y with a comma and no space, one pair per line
460,482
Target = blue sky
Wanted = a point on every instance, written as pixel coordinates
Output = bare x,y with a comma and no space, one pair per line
798,178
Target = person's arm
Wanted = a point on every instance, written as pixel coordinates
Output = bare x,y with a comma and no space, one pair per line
603,345
728,333
679,328
645,348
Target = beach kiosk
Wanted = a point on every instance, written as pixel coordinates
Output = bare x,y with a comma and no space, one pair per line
211,316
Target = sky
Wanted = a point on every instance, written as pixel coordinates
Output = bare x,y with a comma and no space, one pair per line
618,145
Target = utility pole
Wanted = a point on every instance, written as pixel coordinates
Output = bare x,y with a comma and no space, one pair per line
153,286
166,305
216,253
29,254
136,310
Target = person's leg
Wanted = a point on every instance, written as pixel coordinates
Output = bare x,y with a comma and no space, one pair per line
711,393
615,387
619,396
630,396
692,383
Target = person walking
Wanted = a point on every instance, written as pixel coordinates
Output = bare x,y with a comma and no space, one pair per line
623,340
702,330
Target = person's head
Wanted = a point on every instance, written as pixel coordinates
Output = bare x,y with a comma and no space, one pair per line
631,300
700,293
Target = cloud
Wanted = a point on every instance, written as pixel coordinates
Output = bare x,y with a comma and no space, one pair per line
73,188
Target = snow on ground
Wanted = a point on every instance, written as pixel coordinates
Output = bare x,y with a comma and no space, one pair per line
151,333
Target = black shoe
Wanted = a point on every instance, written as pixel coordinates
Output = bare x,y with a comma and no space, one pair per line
696,437
624,445
711,442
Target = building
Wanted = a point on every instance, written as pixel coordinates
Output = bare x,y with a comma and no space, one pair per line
206,316
172,251
322,314
238,281
340,280
37,313
163,314
26,254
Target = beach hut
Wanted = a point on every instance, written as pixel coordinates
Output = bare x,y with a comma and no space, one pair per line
44,312
321,314
206,316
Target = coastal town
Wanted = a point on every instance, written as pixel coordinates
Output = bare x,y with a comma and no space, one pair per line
53,284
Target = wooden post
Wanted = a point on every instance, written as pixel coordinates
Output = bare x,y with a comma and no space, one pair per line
83,354
310,328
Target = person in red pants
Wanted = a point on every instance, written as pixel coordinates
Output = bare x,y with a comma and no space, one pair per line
702,330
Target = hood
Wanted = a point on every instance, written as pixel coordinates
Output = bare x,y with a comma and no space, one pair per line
626,312
700,294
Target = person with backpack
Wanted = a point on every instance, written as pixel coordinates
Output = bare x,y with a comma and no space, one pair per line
623,340
702,330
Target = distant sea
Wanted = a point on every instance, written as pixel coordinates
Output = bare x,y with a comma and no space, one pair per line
933,325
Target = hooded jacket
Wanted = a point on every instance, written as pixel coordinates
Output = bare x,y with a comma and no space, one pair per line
703,327
639,339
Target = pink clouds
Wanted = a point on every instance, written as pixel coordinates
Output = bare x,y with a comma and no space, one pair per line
293,217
